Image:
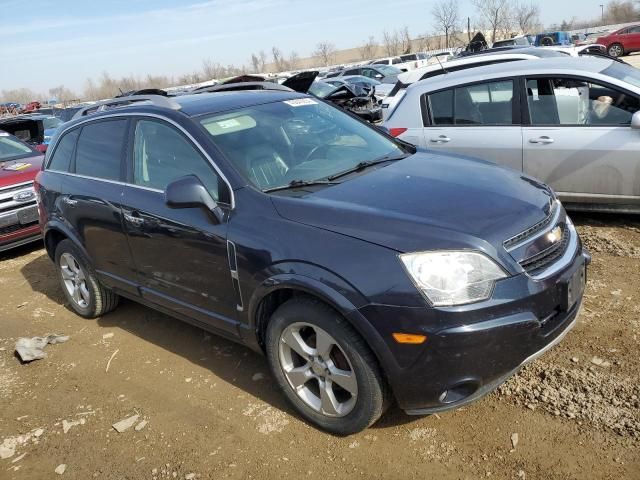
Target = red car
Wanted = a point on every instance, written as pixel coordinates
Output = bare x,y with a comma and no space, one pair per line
622,42
19,164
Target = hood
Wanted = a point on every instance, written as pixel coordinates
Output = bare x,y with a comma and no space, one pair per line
426,201
301,82
19,170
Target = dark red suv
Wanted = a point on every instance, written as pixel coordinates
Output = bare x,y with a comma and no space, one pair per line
622,42
19,164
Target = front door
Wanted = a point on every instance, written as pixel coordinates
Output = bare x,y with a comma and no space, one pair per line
476,120
579,140
180,254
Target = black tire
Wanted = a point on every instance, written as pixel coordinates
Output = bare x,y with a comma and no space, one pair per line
546,42
100,300
615,50
373,394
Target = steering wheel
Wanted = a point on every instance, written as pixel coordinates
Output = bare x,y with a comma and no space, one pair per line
320,148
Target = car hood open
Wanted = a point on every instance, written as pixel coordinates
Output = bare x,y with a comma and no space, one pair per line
426,201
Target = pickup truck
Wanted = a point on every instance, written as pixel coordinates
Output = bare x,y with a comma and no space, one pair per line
407,62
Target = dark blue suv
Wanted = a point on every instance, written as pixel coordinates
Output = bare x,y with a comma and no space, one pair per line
366,271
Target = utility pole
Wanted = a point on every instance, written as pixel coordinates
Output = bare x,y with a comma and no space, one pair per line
602,13
469,28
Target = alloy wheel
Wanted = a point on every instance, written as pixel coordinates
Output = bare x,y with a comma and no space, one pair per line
317,369
615,51
74,279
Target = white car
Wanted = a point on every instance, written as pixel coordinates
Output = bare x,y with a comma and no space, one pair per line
578,50
406,63
461,63
573,123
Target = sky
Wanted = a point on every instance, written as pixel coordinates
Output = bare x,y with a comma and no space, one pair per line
67,41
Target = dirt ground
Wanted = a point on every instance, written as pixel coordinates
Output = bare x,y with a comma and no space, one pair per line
212,410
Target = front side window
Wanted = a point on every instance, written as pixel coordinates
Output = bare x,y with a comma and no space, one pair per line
480,104
567,101
61,159
100,149
161,155
301,139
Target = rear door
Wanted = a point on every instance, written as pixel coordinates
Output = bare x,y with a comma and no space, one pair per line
479,120
579,140
180,253
632,39
91,195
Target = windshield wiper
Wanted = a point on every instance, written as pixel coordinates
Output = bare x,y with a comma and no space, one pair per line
300,183
367,164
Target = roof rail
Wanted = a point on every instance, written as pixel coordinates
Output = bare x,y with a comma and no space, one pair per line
229,87
157,100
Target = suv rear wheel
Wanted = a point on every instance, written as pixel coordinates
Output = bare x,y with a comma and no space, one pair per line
324,367
86,296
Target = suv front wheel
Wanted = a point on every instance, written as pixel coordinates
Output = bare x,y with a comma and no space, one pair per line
324,367
84,293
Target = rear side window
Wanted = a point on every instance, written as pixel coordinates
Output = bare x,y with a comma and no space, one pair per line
61,160
100,149
480,104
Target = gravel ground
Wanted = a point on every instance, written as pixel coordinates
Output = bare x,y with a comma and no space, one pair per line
207,408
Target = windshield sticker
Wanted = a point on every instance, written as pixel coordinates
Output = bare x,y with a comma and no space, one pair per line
17,166
4,134
231,123
300,102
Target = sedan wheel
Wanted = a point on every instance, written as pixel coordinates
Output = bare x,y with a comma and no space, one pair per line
75,280
616,50
318,370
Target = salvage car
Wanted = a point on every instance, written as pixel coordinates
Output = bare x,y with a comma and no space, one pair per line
573,123
31,128
622,42
19,164
365,270
382,73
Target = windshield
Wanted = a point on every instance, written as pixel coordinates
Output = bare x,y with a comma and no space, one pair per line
623,72
11,148
301,140
51,122
389,70
322,89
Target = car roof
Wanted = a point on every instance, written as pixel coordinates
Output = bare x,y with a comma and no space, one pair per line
217,102
558,65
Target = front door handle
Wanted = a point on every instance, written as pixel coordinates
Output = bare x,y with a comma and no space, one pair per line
134,219
69,201
440,139
543,140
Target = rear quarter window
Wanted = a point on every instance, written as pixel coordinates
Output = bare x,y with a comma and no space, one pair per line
100,149
61,159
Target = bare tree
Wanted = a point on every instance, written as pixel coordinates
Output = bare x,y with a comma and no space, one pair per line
391,43
620,11
405,40
278,59
263,60
62,94
425,42
368,49
527,17
446,15
495,14
326,52
255,63
294,60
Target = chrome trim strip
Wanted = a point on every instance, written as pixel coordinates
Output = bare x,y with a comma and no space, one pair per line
552,224
15,211
106,180
142,114
565,259
16,186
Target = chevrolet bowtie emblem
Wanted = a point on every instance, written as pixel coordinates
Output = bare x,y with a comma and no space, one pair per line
554,235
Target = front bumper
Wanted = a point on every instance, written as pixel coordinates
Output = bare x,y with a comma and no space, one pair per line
471,350
19,227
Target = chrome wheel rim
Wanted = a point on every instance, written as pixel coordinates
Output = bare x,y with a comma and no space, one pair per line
615,51
318,370
75,280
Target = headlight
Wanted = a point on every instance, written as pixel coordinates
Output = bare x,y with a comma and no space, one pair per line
450,278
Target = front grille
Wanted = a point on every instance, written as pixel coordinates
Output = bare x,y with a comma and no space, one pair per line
15,228
537,263
7,202
531,231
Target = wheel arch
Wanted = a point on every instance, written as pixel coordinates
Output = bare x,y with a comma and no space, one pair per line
54,233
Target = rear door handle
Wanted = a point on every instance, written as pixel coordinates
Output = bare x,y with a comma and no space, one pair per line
134,219
544,140
440,139
69,201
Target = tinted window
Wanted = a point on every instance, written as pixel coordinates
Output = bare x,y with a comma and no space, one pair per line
481,104
352,72
100,148
564,101
162,154
62,156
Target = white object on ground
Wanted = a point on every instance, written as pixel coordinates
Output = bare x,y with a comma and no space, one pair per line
60,468
125,424
29,349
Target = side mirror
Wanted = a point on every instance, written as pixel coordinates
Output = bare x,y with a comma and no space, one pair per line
189,192
635,121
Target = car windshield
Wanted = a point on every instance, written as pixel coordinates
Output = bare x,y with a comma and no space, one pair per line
361,79
623,72
322,89
389,70
293,141
51,122
11,148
